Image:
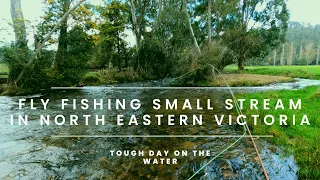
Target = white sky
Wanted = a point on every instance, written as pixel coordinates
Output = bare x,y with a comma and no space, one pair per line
300,10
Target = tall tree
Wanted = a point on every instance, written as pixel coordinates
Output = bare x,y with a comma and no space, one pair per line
185,9
282,56
300,52
135,27
209,22
45,39
318,54
142,12
274,56
61,55
173,29
309,52
290,54
251,32
18,23
112,44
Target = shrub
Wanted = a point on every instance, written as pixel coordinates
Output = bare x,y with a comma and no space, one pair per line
15,58
217,55
91,78
214,54
36,77
152,58
115,76
187,62
126,75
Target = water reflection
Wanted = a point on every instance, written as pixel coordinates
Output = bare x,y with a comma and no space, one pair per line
29,152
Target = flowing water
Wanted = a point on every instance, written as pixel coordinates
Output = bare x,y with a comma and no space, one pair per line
29,151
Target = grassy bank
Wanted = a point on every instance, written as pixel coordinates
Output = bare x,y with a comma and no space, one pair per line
245,80
97,77
3,69
308,72
3,78
303,140
128,75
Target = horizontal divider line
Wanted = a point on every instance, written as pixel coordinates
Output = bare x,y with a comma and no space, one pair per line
158,136
157,88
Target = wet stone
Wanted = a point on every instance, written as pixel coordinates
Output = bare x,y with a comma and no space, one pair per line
227,173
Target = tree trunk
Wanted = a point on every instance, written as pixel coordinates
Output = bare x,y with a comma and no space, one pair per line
160,6
241,63
190,27
282,56
290,55
61,55
300,52
307,58
18,23
125,57
318,54
46,39
135,25
119,55
209,21
309,52
274,56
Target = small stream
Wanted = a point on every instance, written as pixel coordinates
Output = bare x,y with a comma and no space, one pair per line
29,152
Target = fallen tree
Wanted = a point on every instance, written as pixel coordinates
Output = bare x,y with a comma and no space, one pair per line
205,73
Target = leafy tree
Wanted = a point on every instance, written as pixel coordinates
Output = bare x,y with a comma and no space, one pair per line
142,13
309,52
79,51
68,66
152,58
185,9
112,46
173,31
250,32
215,25
61,56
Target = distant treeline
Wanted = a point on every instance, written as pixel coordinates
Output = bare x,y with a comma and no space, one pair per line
302,47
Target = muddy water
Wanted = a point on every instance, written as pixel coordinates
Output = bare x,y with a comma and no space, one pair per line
29,152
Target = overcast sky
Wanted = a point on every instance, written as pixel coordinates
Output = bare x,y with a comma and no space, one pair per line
300,10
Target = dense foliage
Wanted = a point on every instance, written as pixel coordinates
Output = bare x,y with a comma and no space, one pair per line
171,38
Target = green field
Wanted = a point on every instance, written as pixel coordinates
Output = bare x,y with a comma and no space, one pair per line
3,68
303,140
308,72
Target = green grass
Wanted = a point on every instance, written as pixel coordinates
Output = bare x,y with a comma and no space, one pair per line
236,80
304,141
308,72
3,68
111,76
